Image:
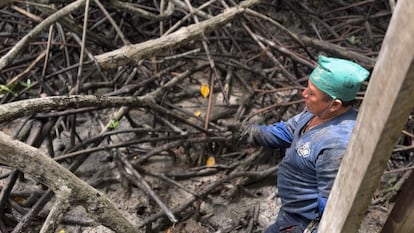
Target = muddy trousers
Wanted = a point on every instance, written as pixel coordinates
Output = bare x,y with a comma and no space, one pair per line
288,223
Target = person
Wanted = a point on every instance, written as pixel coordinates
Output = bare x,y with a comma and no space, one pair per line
315,141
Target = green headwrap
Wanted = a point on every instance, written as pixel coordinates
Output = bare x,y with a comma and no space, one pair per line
339,78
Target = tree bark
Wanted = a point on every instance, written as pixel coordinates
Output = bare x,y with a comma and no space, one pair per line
44,169
28,107
134,53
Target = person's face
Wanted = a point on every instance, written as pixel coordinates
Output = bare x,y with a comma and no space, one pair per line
315,100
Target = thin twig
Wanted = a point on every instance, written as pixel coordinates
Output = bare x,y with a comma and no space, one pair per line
140,182
113,23
18,48
85,29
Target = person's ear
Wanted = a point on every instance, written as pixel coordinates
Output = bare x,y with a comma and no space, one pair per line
337,104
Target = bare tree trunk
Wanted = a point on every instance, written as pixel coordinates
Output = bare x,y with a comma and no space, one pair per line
44,169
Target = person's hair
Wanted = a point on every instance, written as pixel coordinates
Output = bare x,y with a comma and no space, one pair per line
348,103
328,98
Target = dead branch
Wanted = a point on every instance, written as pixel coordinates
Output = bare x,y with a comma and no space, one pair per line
338,51
59,207
206,190
29,160
132,54
5,2
28,107
32,213
18,48
140,182
136,9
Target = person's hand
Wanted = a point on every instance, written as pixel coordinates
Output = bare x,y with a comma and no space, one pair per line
234,130
249,132
240,132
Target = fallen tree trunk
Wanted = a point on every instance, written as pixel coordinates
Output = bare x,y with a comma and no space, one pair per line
134,53
44,169
22,108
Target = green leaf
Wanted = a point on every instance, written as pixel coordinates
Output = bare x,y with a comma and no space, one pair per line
113,124
26,84
353,40
5,88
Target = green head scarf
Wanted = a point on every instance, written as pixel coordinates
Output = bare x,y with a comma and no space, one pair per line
339,78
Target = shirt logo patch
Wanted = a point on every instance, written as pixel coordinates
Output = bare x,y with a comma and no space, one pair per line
304,150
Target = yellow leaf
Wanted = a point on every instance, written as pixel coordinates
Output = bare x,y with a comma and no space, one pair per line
254,84
197,113
62,231
211,161
204,90
20,200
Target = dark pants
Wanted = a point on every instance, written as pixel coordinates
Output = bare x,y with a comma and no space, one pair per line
288,223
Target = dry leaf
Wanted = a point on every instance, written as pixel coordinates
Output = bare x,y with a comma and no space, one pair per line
254,84
197,113
204,90
20,200
62,231
211,161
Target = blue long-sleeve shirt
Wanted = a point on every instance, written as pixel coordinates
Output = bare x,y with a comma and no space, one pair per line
308,170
